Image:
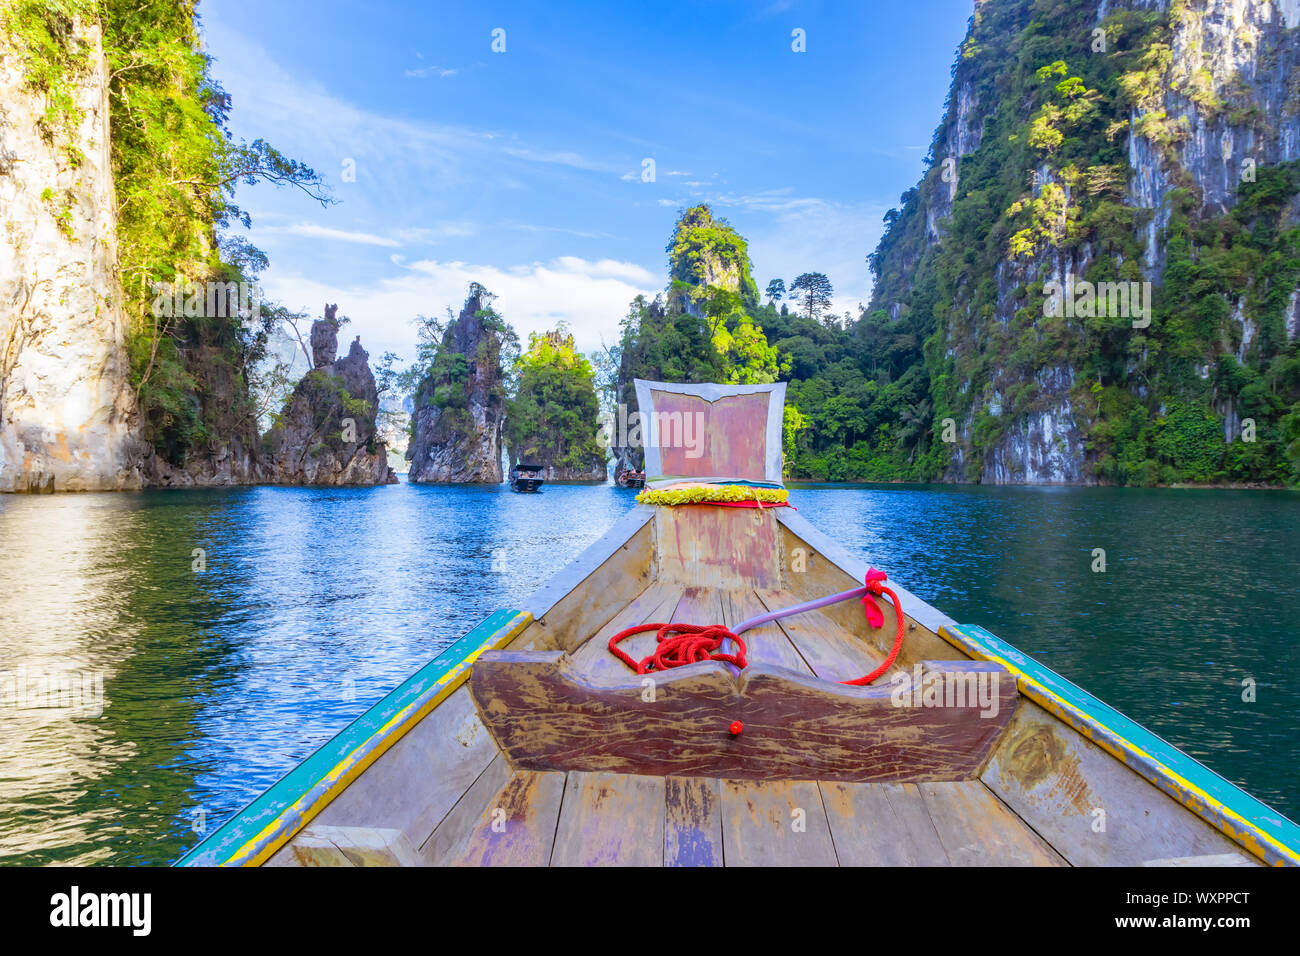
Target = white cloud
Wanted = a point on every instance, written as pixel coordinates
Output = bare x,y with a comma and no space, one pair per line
438,71
591,296
311,230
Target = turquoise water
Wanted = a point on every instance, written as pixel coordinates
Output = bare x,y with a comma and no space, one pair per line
313,603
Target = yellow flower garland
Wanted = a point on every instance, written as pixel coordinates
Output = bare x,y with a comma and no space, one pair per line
705,493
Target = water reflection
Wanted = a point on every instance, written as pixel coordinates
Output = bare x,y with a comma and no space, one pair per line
313,603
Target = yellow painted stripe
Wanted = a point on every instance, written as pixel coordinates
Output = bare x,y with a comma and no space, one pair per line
1180,788
275,834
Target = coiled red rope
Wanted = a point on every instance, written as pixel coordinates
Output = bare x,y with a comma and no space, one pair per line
680,644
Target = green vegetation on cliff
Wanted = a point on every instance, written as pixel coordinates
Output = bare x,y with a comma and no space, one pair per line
552,419
854,407
709,329
175,171
1042,196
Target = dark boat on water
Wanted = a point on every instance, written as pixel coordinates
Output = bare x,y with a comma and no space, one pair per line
526,478
629,478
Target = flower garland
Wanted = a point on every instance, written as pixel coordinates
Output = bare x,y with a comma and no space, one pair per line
726,494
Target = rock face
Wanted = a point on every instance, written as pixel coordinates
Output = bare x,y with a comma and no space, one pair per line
327,433
1214,100
460,406
66,404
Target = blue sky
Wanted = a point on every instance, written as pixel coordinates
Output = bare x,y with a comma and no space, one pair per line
523,169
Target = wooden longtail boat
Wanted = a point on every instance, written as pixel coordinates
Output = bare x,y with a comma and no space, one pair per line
528,742
526,478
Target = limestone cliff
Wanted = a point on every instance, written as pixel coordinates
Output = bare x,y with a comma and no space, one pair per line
66,404
460,404
706,254
1110,147
326,434
553,418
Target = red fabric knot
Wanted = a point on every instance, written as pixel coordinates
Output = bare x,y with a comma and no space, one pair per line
875,583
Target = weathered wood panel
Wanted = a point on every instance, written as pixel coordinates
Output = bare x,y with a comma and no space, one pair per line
717,547
547,716
1220,859
359,846
506,819
978,830
610,819
775,823
881,824
310,850
722,439
768,643
1089,806
656,604
692,822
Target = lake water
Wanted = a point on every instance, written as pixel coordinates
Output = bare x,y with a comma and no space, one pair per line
313,603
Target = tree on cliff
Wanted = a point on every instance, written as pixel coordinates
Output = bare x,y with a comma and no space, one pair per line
707,253
704,329
814,293
552,420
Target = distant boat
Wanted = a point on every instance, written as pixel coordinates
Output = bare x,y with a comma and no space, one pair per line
533,741
629,478
527,478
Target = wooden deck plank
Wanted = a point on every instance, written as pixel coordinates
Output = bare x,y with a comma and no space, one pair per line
398,790
610,819
656,604
701,605
978,830
510,821
767,643
775,823
909,807
867,830
832,652
692,821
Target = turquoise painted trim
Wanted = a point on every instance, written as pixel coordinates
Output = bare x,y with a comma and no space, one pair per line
221,846
1184,778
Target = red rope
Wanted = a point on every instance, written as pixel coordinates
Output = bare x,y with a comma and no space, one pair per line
876,586
691,644
680,644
